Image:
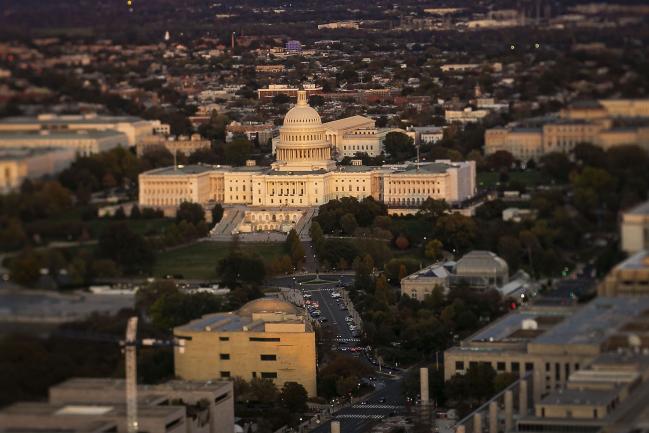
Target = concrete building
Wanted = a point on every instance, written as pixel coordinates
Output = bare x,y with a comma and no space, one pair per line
351,135
83,142
306,175
468,115
628,278
634,229
266,338
548,343
133,128
18,164
480,270
98,405
603,123
282,89
259,132
420,284
270,69
427,134
179,144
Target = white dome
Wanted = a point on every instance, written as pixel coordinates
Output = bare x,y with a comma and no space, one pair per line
302,114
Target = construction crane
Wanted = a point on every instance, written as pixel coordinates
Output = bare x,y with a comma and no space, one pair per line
130,346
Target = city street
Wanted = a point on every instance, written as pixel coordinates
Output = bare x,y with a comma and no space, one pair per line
387,399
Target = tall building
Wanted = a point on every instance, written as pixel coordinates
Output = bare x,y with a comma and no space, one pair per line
304,175
605,123
266,338
85,405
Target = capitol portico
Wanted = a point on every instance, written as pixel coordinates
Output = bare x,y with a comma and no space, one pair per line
305,175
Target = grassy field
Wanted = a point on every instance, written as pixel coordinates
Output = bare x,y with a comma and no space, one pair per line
487,179
198,261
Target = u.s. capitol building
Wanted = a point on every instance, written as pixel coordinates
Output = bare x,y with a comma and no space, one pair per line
305,175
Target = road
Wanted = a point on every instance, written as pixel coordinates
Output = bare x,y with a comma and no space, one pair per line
387,399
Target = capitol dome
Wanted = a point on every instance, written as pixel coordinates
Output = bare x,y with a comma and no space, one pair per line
302,114
268,305
303,144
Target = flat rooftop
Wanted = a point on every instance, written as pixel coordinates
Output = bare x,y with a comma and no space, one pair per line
66,119
581,397
84,383
595,322
642,209
638,261
61,135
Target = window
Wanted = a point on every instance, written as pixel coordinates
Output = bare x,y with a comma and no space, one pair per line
254,374
224,338
268,375
529,366
500,366
515,367
269,357
459,365
225,374
264,338
224,356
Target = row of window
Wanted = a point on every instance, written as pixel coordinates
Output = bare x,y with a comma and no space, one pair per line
267,357
263,374
500,366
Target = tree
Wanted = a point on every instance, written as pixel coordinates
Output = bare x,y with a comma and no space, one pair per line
217,213
127,248
500,160
399,146
456,230
557,166
263,390
25,267
348,223
317,236
433,249
293,397
193,213
402,242
432,209
237,151
281,98
316,100
238,268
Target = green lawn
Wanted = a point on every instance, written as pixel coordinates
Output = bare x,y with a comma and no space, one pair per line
145,227
487,179
198,261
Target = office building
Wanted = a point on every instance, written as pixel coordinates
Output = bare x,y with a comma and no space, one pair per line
634,229
133,128
548,343
180,144
266,338
628,278
19,164
84,142
603,123
273,90
85,405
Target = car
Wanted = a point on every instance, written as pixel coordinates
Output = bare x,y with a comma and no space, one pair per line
383,400
307,296
348,319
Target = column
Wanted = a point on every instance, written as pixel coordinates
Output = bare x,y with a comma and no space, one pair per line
493,417
562,374
477,423
423,385
522,398
509,408
538,386
335,426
